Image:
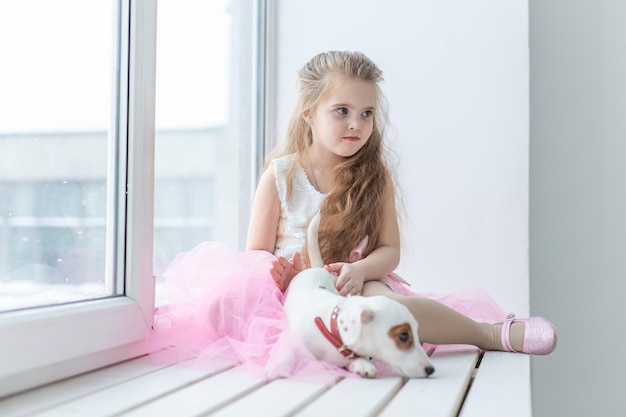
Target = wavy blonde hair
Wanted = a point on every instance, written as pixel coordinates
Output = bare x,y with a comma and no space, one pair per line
361,183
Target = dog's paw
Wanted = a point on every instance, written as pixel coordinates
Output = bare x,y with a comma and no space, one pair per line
280,367
363,367
272,371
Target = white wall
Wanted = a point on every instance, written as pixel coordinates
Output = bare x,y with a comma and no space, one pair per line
457,84
578,203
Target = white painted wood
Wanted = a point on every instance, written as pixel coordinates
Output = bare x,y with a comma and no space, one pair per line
354,397
130,394
501,387
277,399
66,390
442,393
141,388
202,397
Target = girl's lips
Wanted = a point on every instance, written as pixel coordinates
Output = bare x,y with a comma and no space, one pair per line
351,138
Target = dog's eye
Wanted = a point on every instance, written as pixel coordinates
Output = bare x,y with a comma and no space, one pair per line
402,335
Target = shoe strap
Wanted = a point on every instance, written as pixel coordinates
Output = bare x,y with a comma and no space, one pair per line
505,334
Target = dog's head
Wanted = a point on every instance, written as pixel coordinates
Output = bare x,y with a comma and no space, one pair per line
384,329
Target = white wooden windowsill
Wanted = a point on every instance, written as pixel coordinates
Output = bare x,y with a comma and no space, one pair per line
467,382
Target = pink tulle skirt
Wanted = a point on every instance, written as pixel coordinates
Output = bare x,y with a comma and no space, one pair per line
223,304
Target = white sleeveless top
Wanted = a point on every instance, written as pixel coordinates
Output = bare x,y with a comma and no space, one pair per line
295,214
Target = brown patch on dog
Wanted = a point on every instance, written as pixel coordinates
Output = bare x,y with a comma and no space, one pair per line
402,336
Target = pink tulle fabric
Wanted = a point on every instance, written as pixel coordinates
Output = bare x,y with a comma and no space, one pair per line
222,303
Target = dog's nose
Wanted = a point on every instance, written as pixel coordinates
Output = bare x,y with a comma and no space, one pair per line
429,370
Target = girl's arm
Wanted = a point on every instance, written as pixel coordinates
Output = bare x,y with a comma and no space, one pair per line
265,214
263,230
380,262
386,257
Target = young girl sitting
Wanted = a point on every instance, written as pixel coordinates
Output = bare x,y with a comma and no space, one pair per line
228,303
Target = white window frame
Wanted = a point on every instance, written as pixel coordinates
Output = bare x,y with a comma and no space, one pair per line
46,344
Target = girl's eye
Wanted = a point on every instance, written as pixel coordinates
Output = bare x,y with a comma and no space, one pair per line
367,113
342,111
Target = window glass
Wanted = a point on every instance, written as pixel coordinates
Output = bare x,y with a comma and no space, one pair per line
58,89
204,102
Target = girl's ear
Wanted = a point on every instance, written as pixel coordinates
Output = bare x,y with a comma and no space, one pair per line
306,115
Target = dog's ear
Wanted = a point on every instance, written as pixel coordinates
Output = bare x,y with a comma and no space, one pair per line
367,316
350,324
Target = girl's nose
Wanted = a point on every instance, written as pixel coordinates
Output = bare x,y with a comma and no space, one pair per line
355,124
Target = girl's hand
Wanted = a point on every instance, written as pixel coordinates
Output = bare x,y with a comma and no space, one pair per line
350,279
283,271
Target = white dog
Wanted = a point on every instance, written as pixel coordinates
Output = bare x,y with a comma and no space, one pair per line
349,331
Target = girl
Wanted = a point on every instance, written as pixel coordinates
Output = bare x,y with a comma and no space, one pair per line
225,303
335,140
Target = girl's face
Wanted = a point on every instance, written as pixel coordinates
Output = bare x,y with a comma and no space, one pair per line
342,123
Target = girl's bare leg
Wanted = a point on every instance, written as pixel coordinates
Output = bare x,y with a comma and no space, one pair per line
439,324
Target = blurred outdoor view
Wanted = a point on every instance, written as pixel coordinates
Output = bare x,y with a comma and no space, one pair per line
57,104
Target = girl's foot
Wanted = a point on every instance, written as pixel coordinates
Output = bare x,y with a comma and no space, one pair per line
283,270
534,335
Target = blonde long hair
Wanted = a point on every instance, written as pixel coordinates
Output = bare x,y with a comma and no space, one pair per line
361,183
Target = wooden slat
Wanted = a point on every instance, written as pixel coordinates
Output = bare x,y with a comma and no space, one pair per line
63,391
354,397
277,399
141,388
441,394
501,387
202,397
133,393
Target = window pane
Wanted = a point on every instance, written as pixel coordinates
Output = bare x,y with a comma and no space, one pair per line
55,144
203,125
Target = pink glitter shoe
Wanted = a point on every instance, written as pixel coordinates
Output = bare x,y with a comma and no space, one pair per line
539,335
